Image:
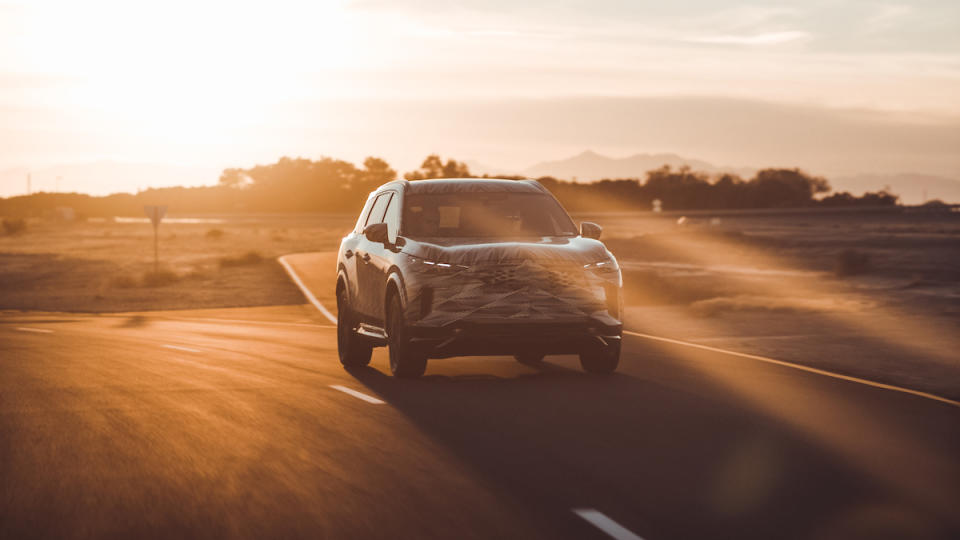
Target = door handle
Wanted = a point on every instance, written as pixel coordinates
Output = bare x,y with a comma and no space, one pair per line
365,257
348,253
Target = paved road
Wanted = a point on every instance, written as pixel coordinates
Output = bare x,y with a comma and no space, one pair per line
241,423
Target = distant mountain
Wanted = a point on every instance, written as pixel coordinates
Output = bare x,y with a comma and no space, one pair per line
104,177
912,188
589,166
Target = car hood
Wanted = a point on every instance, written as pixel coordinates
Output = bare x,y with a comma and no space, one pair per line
473,251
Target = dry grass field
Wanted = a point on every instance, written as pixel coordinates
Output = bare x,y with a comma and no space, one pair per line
872,294
108,266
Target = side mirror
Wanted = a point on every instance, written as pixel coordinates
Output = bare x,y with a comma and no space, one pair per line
588,229
376,232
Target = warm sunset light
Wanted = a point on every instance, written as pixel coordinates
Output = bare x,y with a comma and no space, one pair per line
431,269
214,84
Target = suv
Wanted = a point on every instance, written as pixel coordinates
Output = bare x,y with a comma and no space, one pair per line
456,267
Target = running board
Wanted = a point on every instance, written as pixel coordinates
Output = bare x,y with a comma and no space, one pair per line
372,333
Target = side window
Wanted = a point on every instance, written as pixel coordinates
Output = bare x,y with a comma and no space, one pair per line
376,213
392,218
362,219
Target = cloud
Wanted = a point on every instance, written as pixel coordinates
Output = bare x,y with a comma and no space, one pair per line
767,38
887,17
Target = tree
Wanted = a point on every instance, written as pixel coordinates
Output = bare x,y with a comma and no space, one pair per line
786,187
434,167
234,178
378,171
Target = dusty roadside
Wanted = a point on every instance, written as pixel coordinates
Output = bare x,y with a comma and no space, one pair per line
759,285
107,266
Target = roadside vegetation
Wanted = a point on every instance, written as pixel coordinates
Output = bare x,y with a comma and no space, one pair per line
14,225
107,266
151,278
247,259
332,185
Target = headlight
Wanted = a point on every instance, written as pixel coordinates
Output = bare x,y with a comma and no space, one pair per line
603,266
606,269
435,267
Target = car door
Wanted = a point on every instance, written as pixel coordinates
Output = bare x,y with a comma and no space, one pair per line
348,250
382,258
369,257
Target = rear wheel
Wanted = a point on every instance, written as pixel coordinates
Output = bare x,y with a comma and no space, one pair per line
529,358
601,359
352,350
404,360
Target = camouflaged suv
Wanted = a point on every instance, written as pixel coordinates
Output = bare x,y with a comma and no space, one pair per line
458,267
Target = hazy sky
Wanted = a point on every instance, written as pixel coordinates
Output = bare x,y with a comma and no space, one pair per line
217,84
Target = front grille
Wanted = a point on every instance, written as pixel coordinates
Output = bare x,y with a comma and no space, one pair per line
528,274
521,291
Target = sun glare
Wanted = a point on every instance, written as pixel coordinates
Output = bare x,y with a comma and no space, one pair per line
210,66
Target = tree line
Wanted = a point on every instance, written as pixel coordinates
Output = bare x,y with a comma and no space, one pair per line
332,185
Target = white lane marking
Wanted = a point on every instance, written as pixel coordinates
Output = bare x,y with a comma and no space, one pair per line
179,348
35,330
755,338
808,369
358,395
327,314
605,524
306,292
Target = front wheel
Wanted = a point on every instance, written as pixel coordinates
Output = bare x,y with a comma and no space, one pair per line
601,360
352,350
404,360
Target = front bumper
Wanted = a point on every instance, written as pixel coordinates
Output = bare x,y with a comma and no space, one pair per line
472,338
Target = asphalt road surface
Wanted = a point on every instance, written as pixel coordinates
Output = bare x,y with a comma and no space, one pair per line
242,423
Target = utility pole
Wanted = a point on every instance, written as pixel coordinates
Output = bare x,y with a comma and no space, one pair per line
155,213
29,190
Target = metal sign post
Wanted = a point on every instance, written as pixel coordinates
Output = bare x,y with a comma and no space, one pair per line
155,213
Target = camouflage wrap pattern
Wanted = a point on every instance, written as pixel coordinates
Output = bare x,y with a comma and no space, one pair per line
521,290
473,185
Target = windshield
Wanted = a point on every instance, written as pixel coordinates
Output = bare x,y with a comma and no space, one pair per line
471,214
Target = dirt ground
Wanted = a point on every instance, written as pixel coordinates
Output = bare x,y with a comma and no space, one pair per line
205,262
872,294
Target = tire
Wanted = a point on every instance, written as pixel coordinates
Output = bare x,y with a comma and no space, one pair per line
530,359
404,361
352,350
602,360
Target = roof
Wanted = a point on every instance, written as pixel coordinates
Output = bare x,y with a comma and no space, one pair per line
473,185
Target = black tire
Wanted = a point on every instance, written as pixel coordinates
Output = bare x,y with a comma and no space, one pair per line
530,359
404,361
352,350
601,360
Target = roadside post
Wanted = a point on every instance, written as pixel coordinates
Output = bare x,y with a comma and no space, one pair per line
155,213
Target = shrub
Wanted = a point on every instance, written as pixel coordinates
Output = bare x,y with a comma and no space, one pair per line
148,279
197,272
124,282
851,262
214,234
247,259
14,225
159,278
